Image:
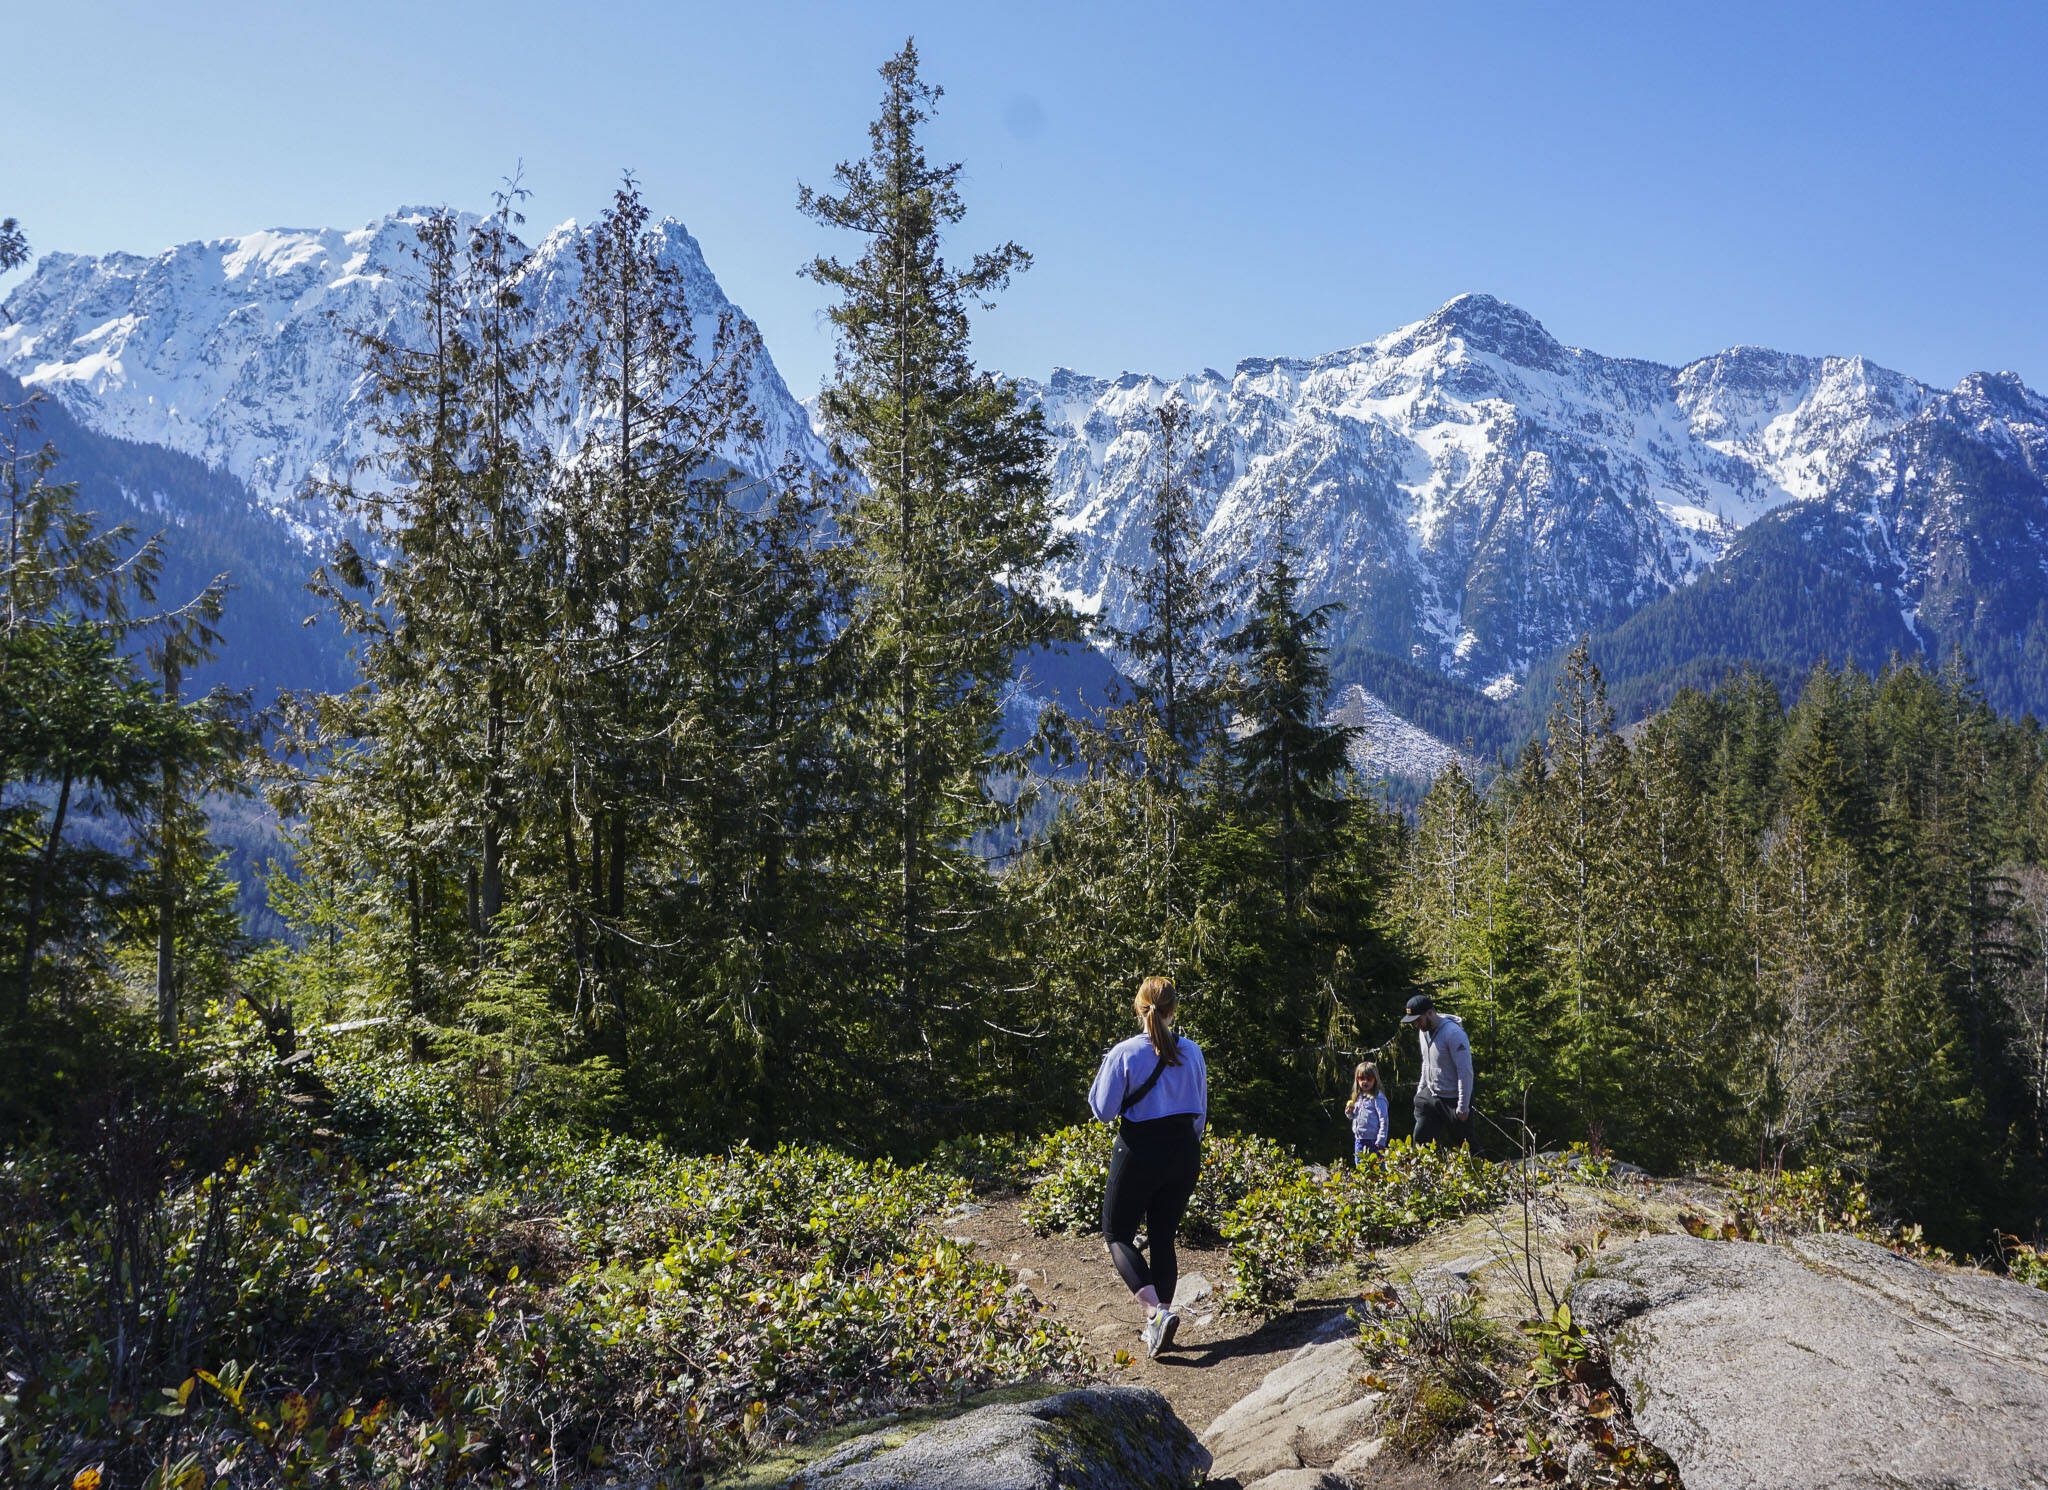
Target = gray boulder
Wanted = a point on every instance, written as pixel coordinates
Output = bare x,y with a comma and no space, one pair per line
1825,1363
1097,1438
1309,1413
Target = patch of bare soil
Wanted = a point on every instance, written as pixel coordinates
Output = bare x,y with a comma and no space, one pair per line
1218,1355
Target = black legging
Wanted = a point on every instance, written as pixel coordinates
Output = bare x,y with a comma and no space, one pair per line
1152,1172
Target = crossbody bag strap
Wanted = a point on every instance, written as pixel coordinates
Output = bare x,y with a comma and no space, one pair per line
1145,1087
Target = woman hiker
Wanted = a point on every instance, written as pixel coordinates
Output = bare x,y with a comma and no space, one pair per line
1367,1110
1155,1088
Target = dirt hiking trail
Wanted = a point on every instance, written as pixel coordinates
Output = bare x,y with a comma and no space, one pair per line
1217,1356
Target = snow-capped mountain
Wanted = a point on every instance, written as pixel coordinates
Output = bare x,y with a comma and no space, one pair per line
1474,492
1956,501
238,350
1933,539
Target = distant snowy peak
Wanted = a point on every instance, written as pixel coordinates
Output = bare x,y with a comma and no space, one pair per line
1481,323
238,350
1471,490
1795,420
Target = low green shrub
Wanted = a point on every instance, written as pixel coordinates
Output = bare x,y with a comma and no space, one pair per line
1282,1219
1770,1205
990,1163
1069,1170
1786,1202
2027,1264
1282,1232
1437,1353
211,1290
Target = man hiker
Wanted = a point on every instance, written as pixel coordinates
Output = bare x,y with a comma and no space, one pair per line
1443,1097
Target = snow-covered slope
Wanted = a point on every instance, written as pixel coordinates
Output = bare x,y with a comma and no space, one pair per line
237,350
1473,491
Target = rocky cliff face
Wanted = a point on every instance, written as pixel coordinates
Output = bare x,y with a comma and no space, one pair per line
238,350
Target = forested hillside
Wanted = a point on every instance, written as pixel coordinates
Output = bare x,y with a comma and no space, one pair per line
1758,931
272,633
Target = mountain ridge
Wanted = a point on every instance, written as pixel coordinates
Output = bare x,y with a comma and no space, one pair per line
1477,494
1472,491
237,349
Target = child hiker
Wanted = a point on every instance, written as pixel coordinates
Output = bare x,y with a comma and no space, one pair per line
1367,1110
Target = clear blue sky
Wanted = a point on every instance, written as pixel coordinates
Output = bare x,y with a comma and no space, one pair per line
1200,181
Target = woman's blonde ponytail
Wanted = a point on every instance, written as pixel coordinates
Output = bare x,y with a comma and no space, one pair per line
1156,1004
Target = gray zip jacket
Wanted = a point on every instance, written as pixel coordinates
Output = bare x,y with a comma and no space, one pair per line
1447,1064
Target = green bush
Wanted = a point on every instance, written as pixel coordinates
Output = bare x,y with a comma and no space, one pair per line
2027,1264
1282,1232
1281,1218
1785,1202
212,1285
1069,1170
990,1163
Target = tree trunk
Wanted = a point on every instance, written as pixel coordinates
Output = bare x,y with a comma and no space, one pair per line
579,947
38,894
166,891
493,887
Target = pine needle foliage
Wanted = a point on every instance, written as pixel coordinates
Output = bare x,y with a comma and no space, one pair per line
945,531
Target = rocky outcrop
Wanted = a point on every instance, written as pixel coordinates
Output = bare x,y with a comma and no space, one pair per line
1098,1438
1310,1425
1828,1362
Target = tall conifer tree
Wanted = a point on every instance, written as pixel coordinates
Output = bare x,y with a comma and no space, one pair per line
1177,596
946,532
427,786
643,560
1290,758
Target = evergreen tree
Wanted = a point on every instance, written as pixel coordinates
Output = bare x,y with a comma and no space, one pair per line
1497,981
1677,964
1448,862
180,858
1178,600
643,562
1577,878
772,844
942,536
13,248
445,611
81,729
1287,756
1824,771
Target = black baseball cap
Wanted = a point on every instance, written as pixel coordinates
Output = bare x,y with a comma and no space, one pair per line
1418,1006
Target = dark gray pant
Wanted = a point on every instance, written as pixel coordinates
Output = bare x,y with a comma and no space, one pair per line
1436,1122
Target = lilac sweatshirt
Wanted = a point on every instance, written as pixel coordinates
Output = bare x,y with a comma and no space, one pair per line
1182,1088
1369,1122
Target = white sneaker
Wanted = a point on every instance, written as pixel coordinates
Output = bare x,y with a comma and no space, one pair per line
1159,1328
